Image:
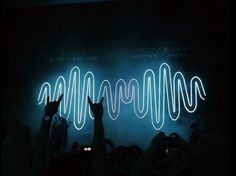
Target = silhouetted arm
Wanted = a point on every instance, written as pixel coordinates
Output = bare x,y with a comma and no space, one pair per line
99,163
42,143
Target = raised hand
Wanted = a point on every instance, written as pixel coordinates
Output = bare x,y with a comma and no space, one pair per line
99,155
51,108
40,159
96,108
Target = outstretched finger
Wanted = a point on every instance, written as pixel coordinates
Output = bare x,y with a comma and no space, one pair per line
89,101
48,100
60,98
101,100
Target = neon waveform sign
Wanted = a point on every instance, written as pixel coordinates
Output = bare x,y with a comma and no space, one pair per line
156,95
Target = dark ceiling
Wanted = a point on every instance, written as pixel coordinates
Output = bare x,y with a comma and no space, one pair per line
26,3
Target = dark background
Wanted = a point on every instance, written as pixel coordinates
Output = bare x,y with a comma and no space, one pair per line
34,34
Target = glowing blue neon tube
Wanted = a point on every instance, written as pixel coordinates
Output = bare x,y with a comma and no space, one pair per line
156,98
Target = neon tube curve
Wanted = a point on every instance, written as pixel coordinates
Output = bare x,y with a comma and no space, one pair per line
155,99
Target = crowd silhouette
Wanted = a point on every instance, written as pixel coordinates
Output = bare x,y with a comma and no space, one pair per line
165,156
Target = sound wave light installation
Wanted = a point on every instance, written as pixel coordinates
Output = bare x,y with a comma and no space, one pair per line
152,98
